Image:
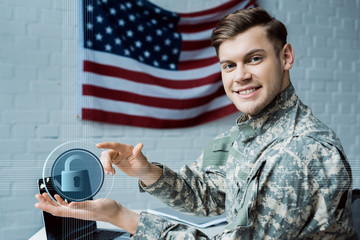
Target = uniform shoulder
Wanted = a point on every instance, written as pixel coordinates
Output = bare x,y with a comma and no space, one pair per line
310,127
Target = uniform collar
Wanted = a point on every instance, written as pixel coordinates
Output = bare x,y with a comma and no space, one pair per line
282,103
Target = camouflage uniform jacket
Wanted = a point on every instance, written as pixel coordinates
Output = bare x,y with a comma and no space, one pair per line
281,174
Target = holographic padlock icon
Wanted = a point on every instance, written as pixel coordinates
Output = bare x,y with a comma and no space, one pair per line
73,181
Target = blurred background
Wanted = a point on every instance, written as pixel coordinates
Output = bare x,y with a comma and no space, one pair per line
38,95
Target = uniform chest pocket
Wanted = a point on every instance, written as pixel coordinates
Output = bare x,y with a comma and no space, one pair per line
216,153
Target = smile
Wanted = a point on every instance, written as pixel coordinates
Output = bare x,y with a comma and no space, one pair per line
247,91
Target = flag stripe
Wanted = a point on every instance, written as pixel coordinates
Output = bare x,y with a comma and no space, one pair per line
208,19
195,45
191,64
150,122
147,89
198,54
156,112
117,95
195,18
196,35
128,63
112,71
190,28
221,8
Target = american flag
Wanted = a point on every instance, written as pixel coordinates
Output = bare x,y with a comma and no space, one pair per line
146,66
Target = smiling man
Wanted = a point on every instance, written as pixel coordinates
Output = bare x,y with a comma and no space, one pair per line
253,72
279,173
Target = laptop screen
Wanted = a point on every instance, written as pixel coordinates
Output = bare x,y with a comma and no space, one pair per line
64,228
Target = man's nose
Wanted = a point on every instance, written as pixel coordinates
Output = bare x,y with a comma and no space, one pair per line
242,74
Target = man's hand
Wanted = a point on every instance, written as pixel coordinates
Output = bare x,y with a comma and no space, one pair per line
106,210
130,160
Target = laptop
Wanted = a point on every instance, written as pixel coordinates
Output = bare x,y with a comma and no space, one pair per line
61,228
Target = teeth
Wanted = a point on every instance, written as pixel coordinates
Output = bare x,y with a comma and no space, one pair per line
247,91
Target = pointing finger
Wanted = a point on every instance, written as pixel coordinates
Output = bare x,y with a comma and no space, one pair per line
112,145
106,160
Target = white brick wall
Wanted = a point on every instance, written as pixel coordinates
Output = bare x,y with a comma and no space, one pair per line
38,63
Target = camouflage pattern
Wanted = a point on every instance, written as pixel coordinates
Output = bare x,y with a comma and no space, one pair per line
282,174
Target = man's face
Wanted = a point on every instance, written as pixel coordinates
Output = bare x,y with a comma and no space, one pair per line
252,73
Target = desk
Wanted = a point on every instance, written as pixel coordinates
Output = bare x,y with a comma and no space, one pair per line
210,231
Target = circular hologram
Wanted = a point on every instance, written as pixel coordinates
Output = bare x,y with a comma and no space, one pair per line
76,172
70,175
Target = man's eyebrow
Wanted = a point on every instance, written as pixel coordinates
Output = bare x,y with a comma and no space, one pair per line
251,52
225,61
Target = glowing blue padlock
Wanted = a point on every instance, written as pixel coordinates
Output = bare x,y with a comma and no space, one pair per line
74,181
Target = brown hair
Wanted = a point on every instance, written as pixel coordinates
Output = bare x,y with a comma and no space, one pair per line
244,19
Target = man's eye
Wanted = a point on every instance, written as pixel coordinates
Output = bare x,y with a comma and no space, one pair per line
228,66
255,59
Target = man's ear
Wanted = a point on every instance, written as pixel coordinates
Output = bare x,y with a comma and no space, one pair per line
287,56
